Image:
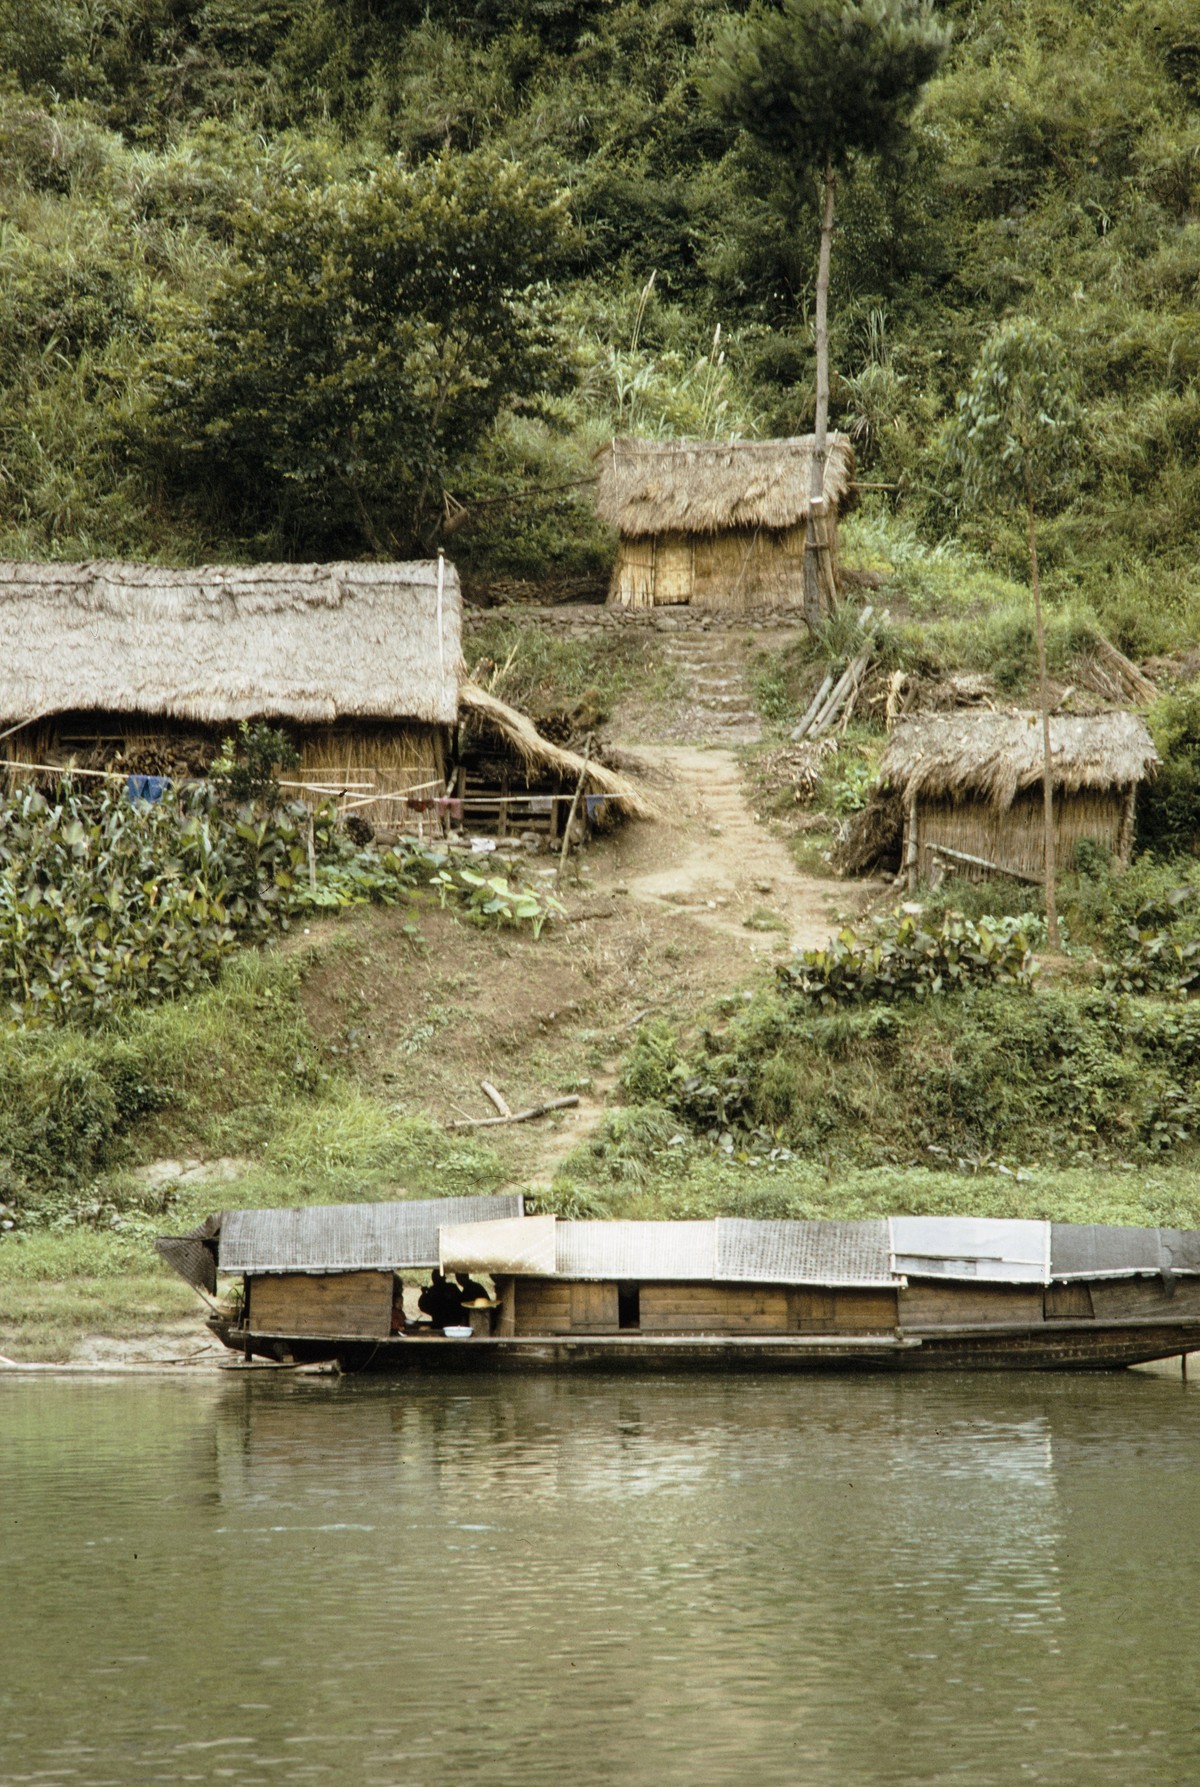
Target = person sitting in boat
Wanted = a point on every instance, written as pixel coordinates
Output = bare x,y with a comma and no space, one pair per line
473,1294
441,1301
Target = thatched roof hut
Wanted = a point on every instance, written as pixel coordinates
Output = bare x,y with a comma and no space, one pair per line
970,785
145,668
718,524
309,644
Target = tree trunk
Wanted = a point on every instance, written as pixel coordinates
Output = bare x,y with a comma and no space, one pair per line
816,540
1047,764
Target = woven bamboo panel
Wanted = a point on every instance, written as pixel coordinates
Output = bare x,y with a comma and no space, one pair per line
831,1253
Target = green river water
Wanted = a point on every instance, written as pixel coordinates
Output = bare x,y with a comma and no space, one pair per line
858,1582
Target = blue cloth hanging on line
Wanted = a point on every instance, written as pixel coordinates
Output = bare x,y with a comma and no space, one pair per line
147,788
595,804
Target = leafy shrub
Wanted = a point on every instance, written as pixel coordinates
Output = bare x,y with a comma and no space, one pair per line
653,1065
902,958
1168,811
106,902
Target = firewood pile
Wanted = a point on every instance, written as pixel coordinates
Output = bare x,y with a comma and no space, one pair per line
800,765
176,759
1108,673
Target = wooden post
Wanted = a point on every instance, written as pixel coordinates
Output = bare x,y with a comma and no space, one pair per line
1125,838
566,844
912,855
1047,761
502,820
815,543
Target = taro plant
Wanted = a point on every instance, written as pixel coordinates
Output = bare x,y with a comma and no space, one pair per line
900,957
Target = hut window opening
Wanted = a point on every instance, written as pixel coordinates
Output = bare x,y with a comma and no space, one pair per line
629,1306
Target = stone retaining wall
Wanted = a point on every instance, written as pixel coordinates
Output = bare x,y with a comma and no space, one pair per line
574,617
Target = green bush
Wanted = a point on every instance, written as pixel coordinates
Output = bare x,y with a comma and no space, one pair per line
1168,811
1059,1076
901,957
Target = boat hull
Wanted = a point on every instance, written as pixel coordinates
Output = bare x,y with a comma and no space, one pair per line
1066,1346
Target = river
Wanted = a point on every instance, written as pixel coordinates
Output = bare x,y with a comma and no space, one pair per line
859,1582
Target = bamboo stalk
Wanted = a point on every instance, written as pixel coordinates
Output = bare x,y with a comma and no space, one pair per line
982,862
813,709
829,712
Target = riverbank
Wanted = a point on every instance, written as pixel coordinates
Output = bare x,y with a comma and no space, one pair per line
328,1068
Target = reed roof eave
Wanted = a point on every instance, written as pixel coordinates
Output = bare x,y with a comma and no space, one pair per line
994,756
519,732
710,487
212,645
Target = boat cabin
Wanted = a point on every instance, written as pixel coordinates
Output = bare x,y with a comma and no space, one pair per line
906,1291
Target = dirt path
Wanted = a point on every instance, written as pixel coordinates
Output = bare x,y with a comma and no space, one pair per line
713,863
714,859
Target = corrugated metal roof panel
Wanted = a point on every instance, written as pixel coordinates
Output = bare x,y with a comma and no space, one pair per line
348,1237
981,1247
833,1253
641,1251
1092,1250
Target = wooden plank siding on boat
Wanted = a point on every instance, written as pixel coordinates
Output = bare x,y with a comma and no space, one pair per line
1117,1298
357,1305
553,1306
928,1305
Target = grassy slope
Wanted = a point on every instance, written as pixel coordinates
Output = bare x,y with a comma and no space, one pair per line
326,1067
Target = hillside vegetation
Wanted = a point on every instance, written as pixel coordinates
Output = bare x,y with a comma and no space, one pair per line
328,278
335,279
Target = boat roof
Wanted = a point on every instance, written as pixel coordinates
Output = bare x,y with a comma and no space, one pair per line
883,1251
493,1234
349,1237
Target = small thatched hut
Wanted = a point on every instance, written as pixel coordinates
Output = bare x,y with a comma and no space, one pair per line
147,669
971,788
717,524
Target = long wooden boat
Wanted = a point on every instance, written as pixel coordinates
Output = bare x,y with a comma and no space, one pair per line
903,1293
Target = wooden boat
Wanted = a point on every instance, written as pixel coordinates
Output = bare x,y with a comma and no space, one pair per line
903,1293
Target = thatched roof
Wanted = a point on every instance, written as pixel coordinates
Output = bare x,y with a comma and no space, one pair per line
220,643
538,753
994,756
708,487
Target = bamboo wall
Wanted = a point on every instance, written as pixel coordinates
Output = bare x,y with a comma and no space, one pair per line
741,569
1014,839
358,763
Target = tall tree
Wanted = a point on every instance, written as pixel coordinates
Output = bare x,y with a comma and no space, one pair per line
818,82
365,339
1011,440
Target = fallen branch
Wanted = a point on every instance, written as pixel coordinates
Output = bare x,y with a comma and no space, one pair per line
496,1097
536,1110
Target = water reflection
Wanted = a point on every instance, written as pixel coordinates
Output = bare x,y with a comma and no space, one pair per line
843,1581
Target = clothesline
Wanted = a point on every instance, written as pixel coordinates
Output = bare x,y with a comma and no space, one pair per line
123,775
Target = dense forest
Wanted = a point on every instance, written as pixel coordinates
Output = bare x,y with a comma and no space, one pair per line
355,277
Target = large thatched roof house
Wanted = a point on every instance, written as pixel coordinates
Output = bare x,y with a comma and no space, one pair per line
149,668
970,784
140,670
717,524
